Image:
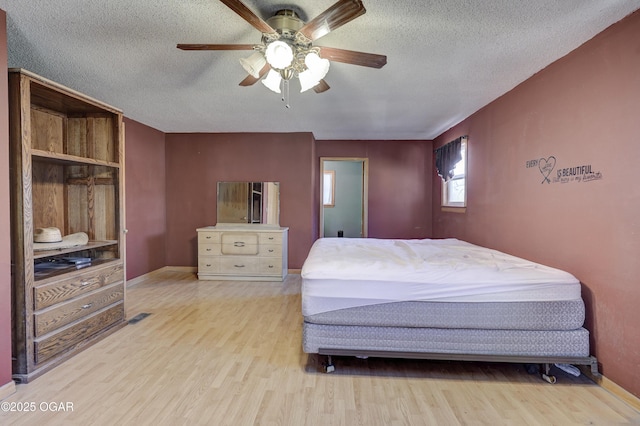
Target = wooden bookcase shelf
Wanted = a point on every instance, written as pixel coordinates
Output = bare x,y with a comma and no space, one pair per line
90,245
39,155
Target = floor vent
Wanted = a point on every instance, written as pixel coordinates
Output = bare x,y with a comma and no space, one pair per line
138,318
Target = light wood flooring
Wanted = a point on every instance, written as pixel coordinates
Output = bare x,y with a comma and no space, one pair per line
229,353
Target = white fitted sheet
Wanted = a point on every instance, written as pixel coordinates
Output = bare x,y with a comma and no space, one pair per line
343,273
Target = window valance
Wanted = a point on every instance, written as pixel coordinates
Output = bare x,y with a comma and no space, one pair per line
447,156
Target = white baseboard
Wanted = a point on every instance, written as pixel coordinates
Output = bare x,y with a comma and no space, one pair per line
143,277
193,269
7,390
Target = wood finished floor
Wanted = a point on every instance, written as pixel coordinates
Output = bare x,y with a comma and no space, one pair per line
229,353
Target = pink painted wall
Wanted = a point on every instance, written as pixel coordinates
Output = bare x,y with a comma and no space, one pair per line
582,110
400,183
145,198
196,162
5,240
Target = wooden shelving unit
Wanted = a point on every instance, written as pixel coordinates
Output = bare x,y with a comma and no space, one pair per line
67,171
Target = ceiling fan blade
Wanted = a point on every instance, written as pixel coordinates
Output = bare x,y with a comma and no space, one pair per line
321,87
215,46
336,16
251,80
246,14
352,57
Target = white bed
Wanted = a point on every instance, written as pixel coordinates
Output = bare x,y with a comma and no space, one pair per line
440,299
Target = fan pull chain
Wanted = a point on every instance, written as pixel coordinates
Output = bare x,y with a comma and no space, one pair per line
285,93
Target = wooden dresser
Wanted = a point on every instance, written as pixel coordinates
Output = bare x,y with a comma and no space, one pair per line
67,172
242,252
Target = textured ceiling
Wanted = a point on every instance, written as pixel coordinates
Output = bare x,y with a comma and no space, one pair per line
446,59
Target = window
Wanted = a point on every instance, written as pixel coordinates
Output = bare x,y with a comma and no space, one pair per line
454,191
329,188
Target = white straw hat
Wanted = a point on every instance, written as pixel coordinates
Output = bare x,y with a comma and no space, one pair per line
49,239
47,235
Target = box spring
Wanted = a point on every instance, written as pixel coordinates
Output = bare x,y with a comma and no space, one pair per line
545,315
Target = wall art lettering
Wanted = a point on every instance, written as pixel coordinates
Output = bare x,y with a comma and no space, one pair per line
551,174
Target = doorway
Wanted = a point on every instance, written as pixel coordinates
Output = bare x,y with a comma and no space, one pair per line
343,192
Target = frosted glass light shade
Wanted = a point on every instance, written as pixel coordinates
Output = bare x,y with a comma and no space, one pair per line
317,65
253,64
307,80
279,54
272,81
317,69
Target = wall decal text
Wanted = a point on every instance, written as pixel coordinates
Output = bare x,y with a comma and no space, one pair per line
546,166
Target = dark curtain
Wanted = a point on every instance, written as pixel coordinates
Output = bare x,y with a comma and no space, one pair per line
447,156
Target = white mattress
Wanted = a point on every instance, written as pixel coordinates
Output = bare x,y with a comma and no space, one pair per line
343,273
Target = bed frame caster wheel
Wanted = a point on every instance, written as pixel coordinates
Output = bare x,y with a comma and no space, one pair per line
328,366
546,373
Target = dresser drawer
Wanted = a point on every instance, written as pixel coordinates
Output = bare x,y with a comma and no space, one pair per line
209,249
270,266
270,238
245,243
206,237
55,291
270,250
208,264
72,335
238,265
57,316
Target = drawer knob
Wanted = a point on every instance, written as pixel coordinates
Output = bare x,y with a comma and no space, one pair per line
208,249
87,306
239,266
208,264
270,266
238,244
271,238
270,250
208,237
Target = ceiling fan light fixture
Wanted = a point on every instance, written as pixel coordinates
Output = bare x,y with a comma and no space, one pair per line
253,64
279,54
272,81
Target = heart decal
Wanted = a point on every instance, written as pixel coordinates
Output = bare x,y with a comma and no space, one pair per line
546,166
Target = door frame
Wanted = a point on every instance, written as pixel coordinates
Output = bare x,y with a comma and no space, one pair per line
365,192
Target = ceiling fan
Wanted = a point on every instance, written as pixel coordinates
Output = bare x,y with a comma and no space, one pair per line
286,49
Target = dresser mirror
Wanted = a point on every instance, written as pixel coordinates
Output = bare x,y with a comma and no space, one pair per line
249,202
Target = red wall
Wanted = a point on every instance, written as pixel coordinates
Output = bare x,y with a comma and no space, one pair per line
196,162
583,110
400,176
5,240
145,199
